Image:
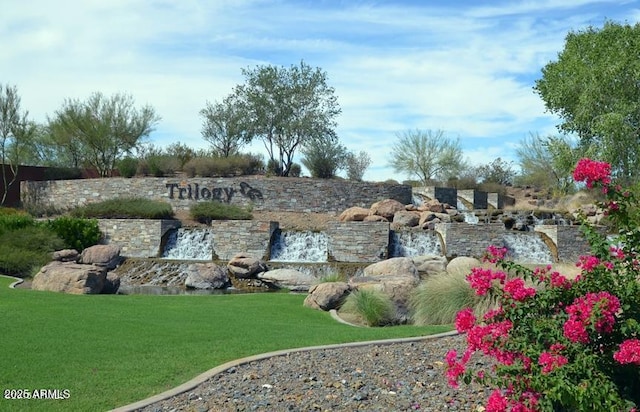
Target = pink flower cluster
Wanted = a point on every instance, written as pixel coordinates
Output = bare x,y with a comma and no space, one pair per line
588,263
550,361
465,320
629,352
516,290
494,254
600,307
482,279
592,171
498,402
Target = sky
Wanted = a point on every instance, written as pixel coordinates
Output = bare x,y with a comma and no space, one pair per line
466,68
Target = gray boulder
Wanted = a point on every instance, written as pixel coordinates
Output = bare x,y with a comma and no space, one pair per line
327,296
430,264
406,218
65,255
463,264
70,277
111,284
291,279
101,255
206,276
387,208
243,266
354,214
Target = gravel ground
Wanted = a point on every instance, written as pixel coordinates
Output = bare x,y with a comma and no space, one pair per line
404,376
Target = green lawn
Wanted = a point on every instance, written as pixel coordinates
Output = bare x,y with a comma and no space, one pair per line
111,350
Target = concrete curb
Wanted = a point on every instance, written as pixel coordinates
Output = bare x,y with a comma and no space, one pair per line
14,284
220,369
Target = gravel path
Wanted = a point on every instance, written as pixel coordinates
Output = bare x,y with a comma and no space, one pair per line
404,376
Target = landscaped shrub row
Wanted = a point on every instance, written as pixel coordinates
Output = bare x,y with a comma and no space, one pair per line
125,208
205,212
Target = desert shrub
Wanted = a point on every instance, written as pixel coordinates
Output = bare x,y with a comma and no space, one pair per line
127,167
331,277
76,233
372,306
62,173
438,299
125,208
273,168
205,212
161,165
12,220
295,170
212,166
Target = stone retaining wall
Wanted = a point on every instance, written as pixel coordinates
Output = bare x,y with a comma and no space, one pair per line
358,241
249,236
261,193
136,237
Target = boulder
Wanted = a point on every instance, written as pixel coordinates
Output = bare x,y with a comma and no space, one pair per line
65,255
101,255
462,264
433,205
111,284
375,218
243,266
386,208
206,276
288,278
402,266
70,277
406,218
430,264
327,295
354,214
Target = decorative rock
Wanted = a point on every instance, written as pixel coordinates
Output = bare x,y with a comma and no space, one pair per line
69,277
65,255
328,295
101,255
354,214
462,263
386,208
111,284
433,205
288,278
243,266
206,276
375,218
402,266
430,264
406,218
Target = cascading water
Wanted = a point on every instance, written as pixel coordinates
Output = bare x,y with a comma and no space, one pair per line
189,244
527,248
409,243
469,216
303,246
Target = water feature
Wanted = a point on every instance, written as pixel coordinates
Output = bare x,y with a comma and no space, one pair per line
469,216
414,243
189,244
299,246
527,248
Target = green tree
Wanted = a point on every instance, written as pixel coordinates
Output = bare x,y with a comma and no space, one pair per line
323,158
498,171
427,155
100,131
357,164
224,126
594,86
15,133
287,108
548,162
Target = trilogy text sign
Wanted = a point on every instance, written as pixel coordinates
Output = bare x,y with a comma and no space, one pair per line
188,191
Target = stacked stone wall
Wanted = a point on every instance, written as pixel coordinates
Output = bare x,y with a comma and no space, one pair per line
358,241
248,236
470,240
259,192
136,237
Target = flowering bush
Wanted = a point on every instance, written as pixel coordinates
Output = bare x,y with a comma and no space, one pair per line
567,344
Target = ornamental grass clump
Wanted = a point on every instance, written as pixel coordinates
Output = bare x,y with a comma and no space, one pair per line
372,306
567,344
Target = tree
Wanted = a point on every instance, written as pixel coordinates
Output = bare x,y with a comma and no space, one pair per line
101,130
223,126
15,133
288,108
498,171
427,155
548,162
323,158
357,165
594,86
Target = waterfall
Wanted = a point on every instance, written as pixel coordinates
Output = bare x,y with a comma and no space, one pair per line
469,216
410,243
527,248
189,244
304,246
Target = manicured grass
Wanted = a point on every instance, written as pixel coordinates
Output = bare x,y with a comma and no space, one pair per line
111,350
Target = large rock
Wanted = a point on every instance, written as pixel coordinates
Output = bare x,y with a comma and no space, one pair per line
291,279
101,255
402,266
375,218
387,208
463,264
354,214
433,205
327,295
206,276
406,218
111,284
70,277
65,255
243,266
430,264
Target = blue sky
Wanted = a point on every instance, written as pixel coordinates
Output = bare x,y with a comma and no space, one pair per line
464,67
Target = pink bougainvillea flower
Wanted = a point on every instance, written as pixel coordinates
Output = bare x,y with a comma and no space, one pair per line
497,402
516,289
481,279
494,254
550,361
628,353
592,171
465,320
